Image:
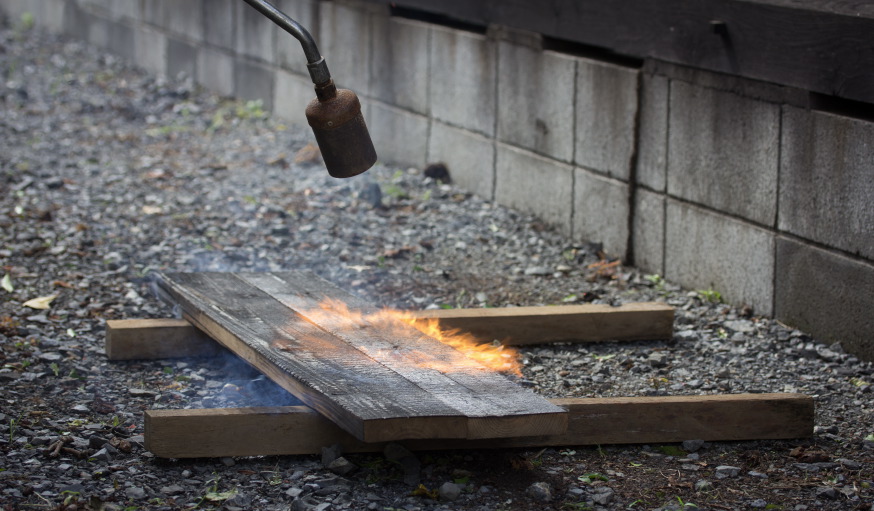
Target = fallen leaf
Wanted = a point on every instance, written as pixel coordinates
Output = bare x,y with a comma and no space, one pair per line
215,496
7,283
41,302
423,491
308,153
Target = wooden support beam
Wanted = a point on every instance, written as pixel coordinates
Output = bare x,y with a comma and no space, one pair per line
378,382
130,339
563,323
593,421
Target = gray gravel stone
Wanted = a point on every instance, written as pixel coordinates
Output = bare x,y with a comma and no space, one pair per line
724,471
540,492
449,491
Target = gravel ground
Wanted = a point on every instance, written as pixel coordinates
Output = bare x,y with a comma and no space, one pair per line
109,174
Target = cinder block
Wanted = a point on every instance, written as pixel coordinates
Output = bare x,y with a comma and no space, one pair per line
48,14
399,67
124,9
601,211
215,70
827,295
289,53
291,97
649,231
13,9
723,151
255,34
534,184
181,59
76,21
98,29
151,49
535,100
605,111
121,40
652,147
254,81
463,83
344,33
219,23
400,137
185,18
827,180
705,250
152,11
470,157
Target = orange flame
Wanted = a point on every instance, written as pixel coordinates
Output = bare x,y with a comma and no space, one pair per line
489,354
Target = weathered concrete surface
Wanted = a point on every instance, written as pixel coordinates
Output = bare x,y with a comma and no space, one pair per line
536,105
181,58
601,211
523,179
649,231
344,40
253,81
706,250
826,294
469,156
723,151
463,83
219,24
398,135
215,70
606,107
400,69
827,180
292,94
652,145
289,54
150,48
254,34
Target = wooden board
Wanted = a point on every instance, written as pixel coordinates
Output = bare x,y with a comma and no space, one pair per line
375,384
132,339
300,430
568,323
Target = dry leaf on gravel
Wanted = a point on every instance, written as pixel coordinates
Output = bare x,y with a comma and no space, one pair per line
40,302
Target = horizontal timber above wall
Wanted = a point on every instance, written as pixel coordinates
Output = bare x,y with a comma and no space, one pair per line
821,46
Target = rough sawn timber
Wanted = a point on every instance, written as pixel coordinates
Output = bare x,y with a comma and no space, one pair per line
376,384
593,421
142,339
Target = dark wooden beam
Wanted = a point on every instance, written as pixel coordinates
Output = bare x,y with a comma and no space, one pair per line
145,339
596,421
824,46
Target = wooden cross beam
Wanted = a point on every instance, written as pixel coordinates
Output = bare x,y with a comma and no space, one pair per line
592,421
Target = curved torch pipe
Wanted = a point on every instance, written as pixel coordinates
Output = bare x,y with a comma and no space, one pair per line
315,62
334,115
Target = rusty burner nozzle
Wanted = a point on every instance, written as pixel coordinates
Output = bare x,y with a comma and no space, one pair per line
335,114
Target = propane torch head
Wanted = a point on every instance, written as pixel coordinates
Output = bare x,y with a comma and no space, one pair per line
338,124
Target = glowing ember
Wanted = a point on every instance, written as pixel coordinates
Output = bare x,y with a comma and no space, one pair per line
491,355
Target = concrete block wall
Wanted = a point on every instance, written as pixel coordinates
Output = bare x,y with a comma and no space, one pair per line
710,180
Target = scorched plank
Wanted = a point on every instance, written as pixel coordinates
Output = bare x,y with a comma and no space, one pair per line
376,384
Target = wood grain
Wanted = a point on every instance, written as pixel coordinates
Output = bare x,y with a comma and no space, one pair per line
149,339
565,323
129,339
377,386
595,421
